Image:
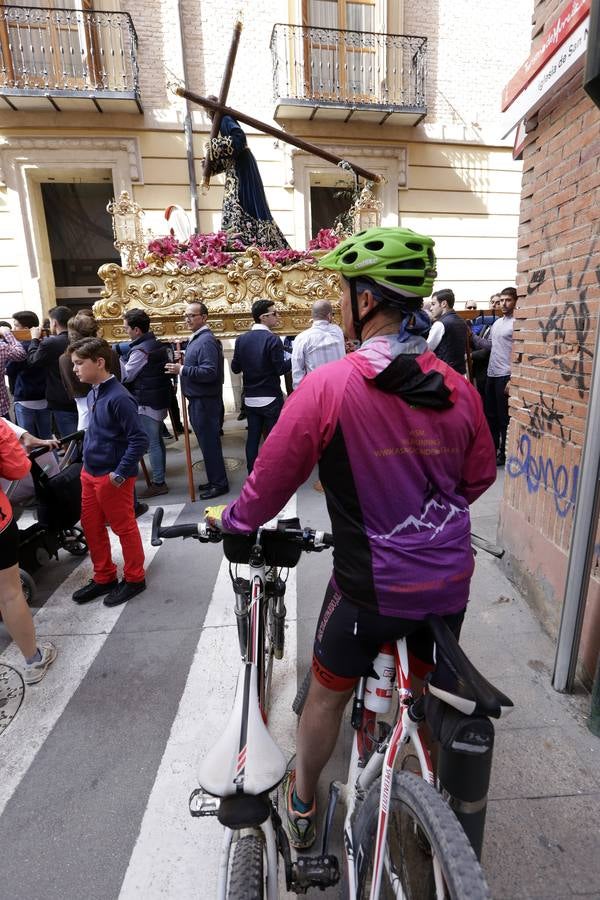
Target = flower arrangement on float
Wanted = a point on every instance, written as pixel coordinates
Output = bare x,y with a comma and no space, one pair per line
218,250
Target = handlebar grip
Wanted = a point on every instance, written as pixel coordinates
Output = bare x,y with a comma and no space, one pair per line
156,520
186,530
323,538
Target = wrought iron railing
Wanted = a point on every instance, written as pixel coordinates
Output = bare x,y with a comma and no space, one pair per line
67,51
335,66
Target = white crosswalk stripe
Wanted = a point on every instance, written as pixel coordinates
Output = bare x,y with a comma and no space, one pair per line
79,632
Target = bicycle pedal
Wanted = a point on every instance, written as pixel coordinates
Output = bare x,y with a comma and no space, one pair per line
314,871
203,804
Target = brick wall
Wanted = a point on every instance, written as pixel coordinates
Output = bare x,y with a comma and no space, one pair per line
555,335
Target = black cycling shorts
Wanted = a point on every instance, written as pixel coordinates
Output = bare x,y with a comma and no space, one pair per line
348,639
9,545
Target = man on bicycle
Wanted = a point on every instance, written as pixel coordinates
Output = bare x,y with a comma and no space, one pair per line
403,448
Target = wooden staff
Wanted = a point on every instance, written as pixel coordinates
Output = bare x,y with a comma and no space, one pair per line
216,122
186,432
276,132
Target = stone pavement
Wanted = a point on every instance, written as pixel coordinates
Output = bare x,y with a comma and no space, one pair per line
542,833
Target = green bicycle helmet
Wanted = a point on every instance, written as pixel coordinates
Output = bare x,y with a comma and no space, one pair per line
396,258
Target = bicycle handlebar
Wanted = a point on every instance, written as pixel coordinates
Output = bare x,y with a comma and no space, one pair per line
205,533
201,531
62,442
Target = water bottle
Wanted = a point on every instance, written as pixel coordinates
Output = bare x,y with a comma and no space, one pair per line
378,690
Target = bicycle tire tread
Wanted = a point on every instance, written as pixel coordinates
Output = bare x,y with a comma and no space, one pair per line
467,881
246,876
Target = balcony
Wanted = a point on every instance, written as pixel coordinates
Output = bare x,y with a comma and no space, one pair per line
328,73
68,59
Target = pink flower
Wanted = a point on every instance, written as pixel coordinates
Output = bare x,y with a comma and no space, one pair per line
326,239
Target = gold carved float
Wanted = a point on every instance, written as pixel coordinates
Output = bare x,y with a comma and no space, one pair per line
162,291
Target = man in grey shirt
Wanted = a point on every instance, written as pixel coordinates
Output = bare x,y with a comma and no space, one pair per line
499,343
323,342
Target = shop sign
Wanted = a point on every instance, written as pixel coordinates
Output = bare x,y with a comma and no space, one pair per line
548,78
554,37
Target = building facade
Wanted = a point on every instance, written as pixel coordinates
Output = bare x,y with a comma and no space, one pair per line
557,318
86,111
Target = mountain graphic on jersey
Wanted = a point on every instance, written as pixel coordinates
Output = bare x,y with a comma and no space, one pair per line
433,512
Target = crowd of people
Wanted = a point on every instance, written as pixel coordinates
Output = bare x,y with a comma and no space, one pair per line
384,408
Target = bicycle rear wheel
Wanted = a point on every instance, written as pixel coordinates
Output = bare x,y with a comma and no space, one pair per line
246,880
427,856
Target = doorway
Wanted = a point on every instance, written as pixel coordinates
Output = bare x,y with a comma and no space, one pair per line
80,238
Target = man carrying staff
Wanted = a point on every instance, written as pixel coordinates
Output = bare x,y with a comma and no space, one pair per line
202,383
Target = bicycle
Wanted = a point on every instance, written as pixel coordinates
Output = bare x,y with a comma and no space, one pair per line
402,838
240,774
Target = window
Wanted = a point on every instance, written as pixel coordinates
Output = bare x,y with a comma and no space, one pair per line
341,65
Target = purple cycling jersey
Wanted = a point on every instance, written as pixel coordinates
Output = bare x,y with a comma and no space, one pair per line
403,448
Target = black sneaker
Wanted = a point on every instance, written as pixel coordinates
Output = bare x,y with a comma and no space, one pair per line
139,509
124,591
204,487
93,589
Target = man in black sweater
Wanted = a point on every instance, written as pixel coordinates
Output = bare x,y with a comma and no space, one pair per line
259,356
448,335
44,354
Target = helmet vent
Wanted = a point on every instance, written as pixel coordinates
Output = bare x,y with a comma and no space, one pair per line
374,246
406,264
349,258
418,248
405,280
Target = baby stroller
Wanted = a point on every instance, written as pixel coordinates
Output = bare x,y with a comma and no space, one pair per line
53,490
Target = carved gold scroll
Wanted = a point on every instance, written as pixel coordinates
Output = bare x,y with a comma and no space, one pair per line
162,291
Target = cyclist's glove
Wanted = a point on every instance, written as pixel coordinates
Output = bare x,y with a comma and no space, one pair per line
213,515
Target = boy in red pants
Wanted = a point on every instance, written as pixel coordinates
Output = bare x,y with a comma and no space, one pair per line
113,446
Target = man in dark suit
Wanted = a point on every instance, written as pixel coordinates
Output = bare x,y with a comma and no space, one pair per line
202,382
259,355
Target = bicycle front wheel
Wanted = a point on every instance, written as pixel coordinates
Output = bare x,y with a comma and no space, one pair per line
246,880
427,854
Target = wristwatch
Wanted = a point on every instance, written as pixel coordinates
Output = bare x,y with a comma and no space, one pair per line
118,480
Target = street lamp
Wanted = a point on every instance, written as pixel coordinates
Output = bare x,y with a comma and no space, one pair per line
127,229
366,210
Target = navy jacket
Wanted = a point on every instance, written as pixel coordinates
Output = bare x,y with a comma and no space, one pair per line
259,356
114,440
45,355
202,372
26,383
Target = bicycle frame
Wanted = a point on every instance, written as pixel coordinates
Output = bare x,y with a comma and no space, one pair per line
382,761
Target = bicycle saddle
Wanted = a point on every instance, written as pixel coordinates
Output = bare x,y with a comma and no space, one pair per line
456,681
245,758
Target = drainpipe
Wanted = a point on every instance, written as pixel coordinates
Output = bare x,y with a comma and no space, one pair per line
188,130
583,536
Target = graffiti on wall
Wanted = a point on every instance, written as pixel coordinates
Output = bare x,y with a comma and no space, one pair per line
543,416
567,329
541,471
566,332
